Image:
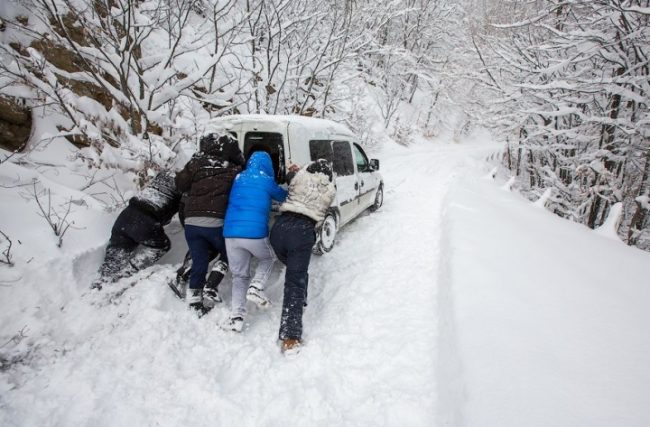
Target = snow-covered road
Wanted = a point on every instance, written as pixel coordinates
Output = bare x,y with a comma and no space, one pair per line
458,303
371,332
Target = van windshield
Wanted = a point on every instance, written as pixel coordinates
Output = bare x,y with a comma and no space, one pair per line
270,142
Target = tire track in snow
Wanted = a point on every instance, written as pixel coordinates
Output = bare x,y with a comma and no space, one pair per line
378,290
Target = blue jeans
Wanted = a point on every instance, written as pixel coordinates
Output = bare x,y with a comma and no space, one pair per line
292,238
203,241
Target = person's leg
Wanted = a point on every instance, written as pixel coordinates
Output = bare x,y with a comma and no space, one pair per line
239,258
300,240
148,232
262,250
118,252
199,249
277,238
154,246
115,265
184,271
217,248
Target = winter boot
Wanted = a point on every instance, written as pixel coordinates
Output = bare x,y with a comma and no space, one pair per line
234,323
211,297
219,270
195,301
178,286
183,273
256,295
291,346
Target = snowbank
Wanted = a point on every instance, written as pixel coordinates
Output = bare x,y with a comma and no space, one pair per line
549,325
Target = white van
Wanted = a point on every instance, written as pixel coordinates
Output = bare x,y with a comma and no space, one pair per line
299,140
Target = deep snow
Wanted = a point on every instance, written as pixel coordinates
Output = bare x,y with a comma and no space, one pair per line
457,303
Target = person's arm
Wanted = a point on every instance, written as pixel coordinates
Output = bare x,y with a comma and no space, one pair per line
293,170
184,179
278,193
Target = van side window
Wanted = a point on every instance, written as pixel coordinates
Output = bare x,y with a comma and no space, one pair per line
363,165
320,149
271,143
343,163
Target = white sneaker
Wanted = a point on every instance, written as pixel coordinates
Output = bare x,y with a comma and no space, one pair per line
257,296
235,324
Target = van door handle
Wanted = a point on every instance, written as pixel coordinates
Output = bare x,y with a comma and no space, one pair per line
356,185
362,183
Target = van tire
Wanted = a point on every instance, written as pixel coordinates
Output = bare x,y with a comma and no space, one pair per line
379,199
326,234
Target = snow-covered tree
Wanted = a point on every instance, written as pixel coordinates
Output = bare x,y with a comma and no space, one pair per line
573,85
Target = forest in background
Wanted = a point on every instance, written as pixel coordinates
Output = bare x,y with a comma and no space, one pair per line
564,84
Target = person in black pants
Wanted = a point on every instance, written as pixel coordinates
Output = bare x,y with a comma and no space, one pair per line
292,237
138,238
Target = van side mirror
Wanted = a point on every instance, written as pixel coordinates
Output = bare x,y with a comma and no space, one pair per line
374,164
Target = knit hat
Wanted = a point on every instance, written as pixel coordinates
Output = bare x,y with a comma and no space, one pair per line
224,147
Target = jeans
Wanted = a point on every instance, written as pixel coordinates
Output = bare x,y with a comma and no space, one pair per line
292,238
203,241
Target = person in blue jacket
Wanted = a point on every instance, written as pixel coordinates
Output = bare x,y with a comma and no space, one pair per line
246,230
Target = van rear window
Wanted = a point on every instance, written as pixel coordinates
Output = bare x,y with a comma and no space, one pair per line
270,142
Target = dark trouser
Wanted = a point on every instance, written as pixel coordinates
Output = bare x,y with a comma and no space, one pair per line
203,241
292,238
185,270
132,228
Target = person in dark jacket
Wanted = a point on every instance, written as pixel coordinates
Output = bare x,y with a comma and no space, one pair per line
246,232
293,235
206,180
138,238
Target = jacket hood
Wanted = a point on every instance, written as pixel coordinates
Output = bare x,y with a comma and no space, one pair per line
261,161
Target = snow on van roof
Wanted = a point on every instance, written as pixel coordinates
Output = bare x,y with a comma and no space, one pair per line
310,122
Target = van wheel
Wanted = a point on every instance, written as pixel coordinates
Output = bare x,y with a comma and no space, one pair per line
379,199
326,235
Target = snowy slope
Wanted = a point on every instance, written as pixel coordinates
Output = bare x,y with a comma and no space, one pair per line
437,309
546,320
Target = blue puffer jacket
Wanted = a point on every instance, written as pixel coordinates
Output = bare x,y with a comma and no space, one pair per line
249,204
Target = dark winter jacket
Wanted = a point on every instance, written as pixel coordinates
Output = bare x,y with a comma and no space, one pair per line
159,199
207,177
247,216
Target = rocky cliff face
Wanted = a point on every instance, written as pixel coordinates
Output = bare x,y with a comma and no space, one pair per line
60,50
15,123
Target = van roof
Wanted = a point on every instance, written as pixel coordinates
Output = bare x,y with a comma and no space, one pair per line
322,125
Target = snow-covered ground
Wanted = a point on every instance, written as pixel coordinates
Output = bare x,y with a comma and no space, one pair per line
545,321
457,303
